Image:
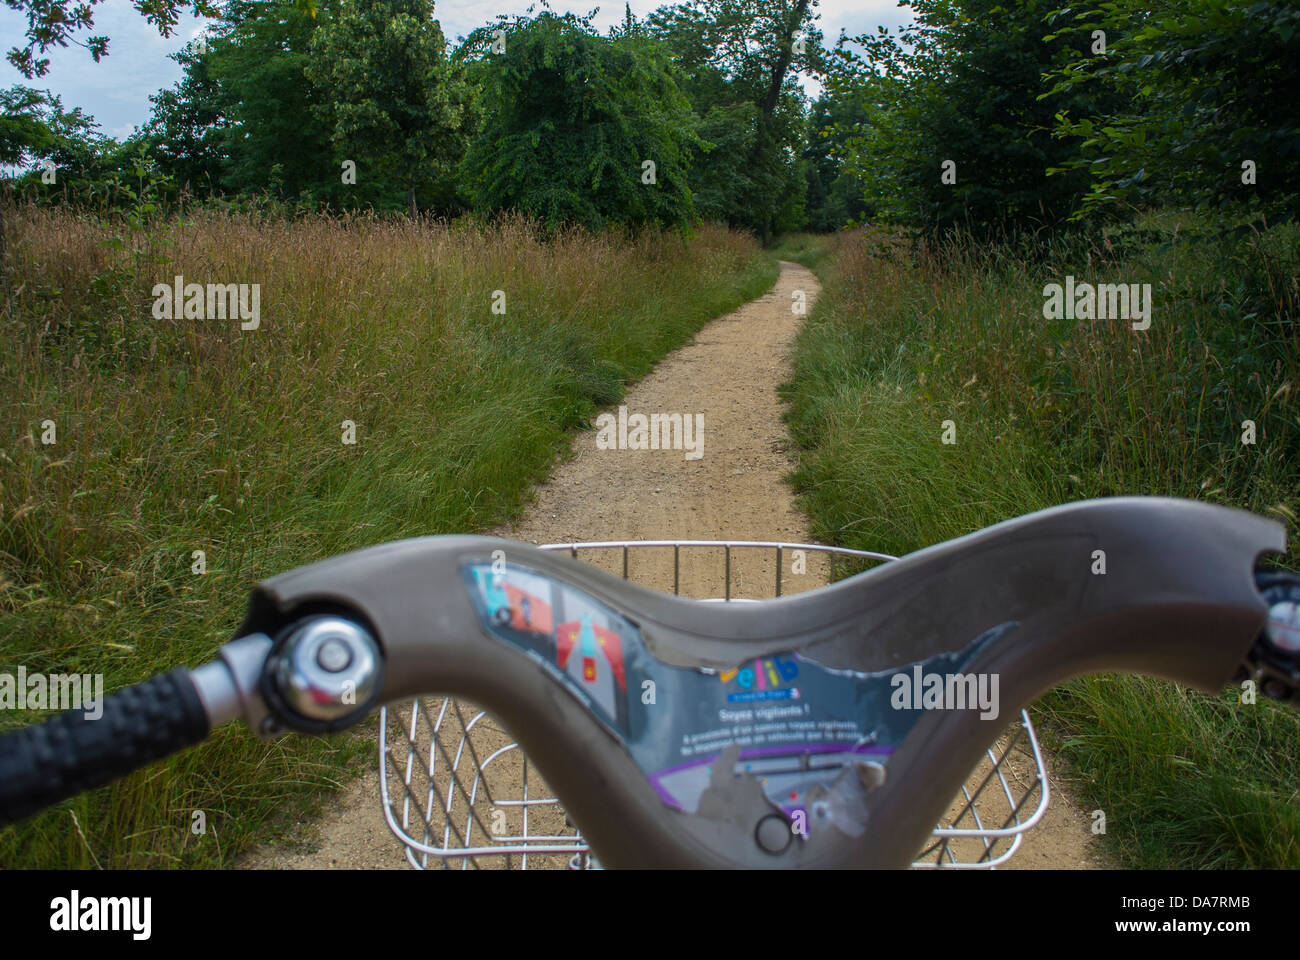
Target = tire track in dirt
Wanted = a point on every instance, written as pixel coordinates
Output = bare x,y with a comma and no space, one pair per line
736,490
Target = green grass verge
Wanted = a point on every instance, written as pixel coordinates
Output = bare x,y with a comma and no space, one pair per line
810,249
1053,411
173,436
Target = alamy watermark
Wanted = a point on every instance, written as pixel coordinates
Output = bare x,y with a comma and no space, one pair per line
1105,301
658,431
55,691
215,301
945,691
75,913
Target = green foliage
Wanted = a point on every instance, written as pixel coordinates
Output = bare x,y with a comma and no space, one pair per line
270,137
242,119
963,85
278,94
721,175
25,132
89,169
194,435
834,196
809,249
277,98
54,23
185,129
1048,413
1200,88
393,100
571,118
728,48
1188,781
737,60
34,127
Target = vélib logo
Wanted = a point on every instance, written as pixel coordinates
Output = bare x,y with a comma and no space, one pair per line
763,680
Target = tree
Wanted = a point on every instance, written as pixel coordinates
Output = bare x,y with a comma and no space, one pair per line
393,100
739,59
834,198
34,128
90,167
1198,88
241,118
273,136
958,134
581,129
55,23
185,130
25,133
25,130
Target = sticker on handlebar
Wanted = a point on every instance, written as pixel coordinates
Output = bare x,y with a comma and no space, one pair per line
797,723
575,635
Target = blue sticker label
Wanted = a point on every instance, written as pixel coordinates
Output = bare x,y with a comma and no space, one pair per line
796,722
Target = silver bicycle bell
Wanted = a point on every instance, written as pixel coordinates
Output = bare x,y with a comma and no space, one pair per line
327,668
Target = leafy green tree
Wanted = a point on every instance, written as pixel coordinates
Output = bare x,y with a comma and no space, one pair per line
270,135
35,128
1200,87
739,61
242,118
185,130
25,134
246,119
571,120
721,176
25,130
90,169
741,49
394,102
963,84
834,198
56,23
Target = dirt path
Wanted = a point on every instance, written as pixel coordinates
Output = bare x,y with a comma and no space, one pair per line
734,491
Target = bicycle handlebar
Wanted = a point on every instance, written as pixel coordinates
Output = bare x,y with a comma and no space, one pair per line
668,748
70,753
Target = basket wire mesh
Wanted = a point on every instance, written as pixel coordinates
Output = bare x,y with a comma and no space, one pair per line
458,792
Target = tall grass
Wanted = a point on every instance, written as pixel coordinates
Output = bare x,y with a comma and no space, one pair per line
809,249
1052,411
180,435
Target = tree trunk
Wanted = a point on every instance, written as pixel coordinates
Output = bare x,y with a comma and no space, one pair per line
768,106
410,197
783,64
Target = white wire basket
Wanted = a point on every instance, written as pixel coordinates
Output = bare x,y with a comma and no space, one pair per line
458,792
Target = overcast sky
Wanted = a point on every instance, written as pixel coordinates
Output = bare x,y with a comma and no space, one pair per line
116,90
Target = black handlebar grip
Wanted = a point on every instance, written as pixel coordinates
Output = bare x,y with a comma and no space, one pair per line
67,754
